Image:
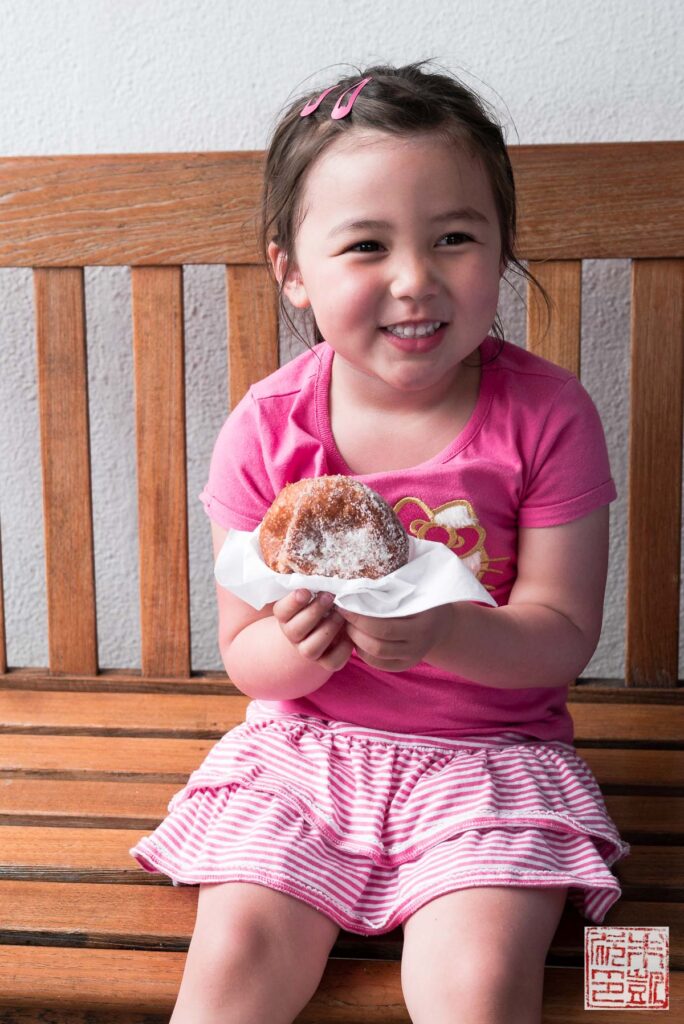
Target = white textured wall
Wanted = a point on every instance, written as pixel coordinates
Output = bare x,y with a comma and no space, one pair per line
115,76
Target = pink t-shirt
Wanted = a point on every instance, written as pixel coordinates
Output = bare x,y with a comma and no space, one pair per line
533,453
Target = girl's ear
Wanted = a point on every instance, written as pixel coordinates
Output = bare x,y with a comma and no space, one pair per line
294,285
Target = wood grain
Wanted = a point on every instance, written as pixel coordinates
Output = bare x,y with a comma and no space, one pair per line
65,455
178,714
649,724
655,473
32,801
162,482
559,339
162,917
71,854
252,328
86,803
351,991
55,714
589,689
120,713
579,201
600,200
129,209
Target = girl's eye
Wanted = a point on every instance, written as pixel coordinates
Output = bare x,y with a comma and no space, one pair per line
354,248
459,236
458,239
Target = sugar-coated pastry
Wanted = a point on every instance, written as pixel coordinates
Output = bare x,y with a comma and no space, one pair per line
332,526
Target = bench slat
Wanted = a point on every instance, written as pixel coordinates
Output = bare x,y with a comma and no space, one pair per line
606,196
88,855
616,722
60,757
129,209
215,681
171,714
560,341
642,819
101,756
655,468
162,491
191,725
156,209
639,818
351,991
101,855
163,916
658,868
617,767
65,455
113,713
89,804
34,976
252,328
76,1015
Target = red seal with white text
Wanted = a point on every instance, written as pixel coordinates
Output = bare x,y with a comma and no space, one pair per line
626,968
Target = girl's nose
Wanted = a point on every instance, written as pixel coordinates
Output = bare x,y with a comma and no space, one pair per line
413,278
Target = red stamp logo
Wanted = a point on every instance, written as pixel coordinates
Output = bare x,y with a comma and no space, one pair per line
626,968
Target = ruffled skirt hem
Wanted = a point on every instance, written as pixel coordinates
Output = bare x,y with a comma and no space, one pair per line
367,829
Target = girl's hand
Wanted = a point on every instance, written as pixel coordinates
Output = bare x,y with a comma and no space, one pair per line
317,632
397,644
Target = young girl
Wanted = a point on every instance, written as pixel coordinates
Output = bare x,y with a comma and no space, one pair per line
416,771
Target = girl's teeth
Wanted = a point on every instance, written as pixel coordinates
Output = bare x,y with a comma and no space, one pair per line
422,331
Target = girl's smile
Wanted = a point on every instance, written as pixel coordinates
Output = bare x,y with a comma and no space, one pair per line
398,235
416,342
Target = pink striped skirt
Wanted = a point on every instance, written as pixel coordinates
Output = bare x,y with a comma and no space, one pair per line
367,826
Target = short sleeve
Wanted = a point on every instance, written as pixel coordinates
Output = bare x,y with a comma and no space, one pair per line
570,471
238,492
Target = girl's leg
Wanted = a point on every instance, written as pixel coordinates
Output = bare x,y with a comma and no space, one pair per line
477,955
256,955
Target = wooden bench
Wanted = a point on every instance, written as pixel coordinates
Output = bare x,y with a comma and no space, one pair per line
90,756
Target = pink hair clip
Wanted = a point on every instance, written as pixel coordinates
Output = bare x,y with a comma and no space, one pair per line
338,110
313,104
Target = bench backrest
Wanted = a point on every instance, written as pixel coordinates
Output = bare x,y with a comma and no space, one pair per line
158,212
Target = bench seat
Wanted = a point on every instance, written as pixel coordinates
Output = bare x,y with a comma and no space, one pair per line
83,775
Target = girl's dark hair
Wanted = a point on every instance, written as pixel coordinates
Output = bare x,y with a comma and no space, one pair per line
399,101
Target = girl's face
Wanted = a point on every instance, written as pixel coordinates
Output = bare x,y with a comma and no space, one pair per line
429,252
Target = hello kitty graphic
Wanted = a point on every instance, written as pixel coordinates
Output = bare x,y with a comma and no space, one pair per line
454,524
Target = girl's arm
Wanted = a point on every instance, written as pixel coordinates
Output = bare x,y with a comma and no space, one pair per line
283,651
549,629
544,636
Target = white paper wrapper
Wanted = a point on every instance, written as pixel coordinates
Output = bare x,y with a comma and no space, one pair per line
433,575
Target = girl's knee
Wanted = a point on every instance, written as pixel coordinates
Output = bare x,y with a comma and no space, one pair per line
504,980
474,983
244,930
260,919
220,958
249,960
233,932
486,990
